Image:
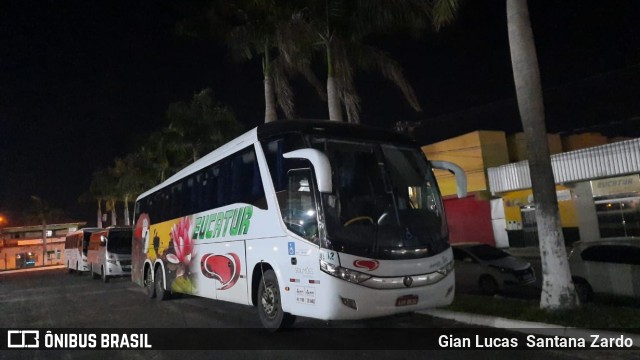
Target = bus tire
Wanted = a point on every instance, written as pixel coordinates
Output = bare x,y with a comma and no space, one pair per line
149,285
93,274
103,274
161,293
269,304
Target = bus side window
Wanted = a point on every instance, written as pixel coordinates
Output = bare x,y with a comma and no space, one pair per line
299,206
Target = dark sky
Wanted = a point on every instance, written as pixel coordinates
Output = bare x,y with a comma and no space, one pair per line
82,82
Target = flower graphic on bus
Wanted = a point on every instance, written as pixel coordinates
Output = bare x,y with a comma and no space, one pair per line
224,268
182,246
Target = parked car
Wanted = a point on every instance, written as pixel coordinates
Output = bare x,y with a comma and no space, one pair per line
489,269
607,266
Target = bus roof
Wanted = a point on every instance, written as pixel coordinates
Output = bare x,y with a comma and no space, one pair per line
331,128
263,131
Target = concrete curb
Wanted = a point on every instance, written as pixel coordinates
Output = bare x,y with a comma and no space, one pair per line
527,327
39,268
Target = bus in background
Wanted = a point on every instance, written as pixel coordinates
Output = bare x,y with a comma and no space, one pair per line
75,250
317,219
109,253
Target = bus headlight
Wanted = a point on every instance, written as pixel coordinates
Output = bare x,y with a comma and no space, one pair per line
349,275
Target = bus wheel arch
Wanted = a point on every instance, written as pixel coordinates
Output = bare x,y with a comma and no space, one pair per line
256,278
269,301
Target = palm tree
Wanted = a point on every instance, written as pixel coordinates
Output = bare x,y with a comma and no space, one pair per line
256,29
131,180
43,213
199,126
340,27
557,287
103,188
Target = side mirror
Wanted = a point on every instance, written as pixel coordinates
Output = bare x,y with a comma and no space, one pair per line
103,240
461,177
320,164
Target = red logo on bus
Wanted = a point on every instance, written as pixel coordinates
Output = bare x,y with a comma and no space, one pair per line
224,268
366,264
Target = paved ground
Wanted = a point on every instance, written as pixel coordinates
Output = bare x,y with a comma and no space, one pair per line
56,300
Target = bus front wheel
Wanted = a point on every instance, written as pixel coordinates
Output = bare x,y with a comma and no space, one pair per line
269,305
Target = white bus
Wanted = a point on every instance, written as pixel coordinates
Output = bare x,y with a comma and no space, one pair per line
317,219
109,252
75,250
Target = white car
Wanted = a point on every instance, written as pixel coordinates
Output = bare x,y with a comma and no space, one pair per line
489,269
607,266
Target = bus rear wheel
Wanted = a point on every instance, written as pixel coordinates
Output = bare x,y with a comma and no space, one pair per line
149,285
161,293
269,305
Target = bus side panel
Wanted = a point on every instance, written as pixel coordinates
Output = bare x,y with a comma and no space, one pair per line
295,263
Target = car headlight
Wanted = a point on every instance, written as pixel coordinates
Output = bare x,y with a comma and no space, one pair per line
349,275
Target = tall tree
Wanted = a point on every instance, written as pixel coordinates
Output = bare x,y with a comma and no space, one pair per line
341,28
41,212
132,179
255,29
199,126
103,188
557,287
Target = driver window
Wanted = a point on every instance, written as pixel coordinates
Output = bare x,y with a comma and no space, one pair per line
299,210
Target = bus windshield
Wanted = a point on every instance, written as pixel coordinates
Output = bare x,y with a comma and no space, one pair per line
119,242
385,202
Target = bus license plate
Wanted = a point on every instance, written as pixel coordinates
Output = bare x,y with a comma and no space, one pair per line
407,300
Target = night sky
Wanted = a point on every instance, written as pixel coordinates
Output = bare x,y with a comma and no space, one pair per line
82,82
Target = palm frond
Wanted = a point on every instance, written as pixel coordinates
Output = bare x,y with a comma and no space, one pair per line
283,90
374,59
443,12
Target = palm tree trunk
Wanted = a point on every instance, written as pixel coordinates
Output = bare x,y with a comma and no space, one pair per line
333,99
269,100
333,94
99,220
114,217
557,287
127,221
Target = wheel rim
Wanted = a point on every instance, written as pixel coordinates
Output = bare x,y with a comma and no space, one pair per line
269,300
